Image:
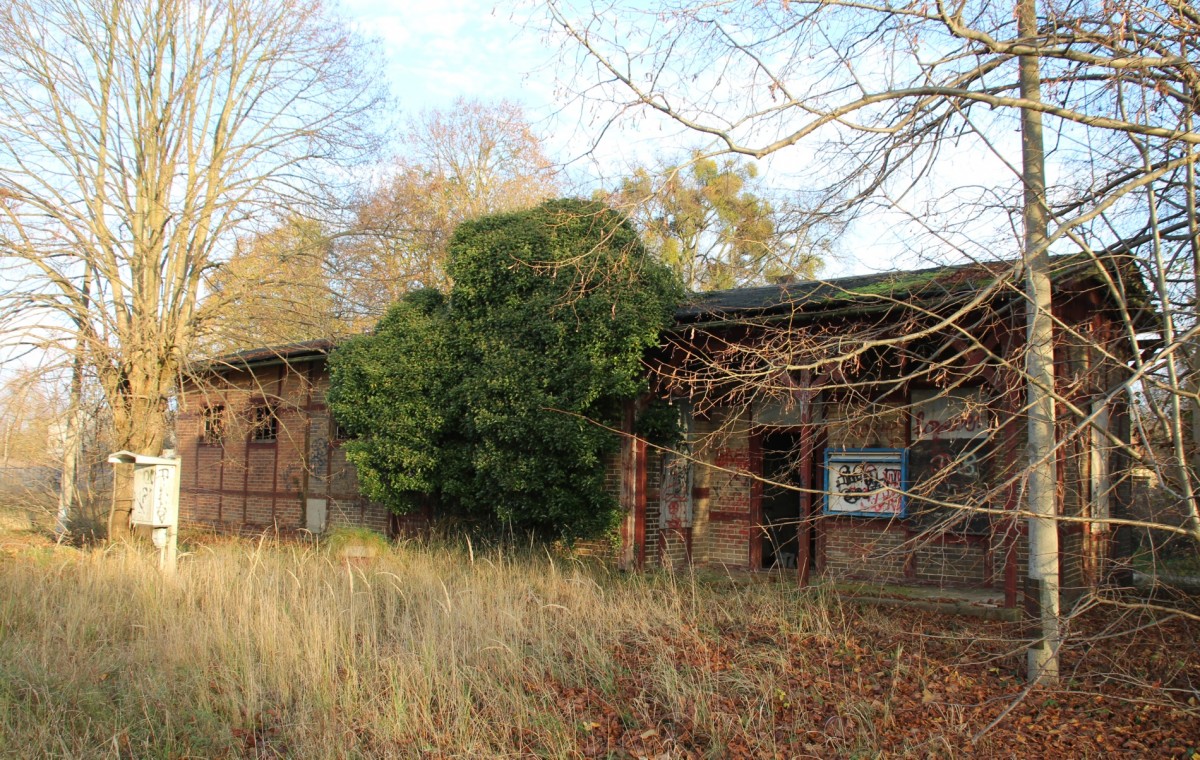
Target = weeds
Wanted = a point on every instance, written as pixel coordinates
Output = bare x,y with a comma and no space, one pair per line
269,650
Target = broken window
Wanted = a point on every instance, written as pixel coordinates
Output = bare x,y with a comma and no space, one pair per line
212,426
951,453
265,424
339,433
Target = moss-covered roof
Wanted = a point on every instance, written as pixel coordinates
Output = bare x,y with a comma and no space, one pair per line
865,292
871,291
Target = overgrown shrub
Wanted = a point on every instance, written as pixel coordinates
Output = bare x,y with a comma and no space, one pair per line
486,397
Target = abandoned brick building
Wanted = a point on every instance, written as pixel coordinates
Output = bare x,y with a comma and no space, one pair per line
865,427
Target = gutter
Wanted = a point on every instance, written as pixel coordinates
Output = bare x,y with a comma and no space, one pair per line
221,366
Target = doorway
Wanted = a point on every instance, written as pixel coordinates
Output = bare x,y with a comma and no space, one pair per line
781,507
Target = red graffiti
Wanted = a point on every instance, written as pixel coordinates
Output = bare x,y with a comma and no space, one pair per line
967,422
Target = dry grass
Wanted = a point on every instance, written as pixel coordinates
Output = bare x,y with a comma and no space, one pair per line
262,649
284,649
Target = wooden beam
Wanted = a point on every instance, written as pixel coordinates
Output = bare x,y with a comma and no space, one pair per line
756,493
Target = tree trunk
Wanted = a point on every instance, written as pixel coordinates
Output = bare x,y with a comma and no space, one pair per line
1039,374
67,486
1193,355
68,489
139,425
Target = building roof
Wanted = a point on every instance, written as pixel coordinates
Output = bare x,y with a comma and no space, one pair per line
934,284
822,293
868,291
290,352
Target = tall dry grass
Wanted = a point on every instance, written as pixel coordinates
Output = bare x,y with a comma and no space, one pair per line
281,650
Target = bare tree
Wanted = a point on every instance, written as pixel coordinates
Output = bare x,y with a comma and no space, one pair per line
48,443
72,443
275,289
472,159
885,93
137,139
29,416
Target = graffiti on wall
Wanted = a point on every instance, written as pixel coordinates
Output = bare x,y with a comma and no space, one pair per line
949,416
318,456
949,459
675,493
866,482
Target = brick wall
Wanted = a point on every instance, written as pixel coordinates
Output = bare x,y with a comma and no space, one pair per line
887,551
721,523
857,547
653,507
602,548
1070,546
873,549
868,549
952,561
359,512
241,484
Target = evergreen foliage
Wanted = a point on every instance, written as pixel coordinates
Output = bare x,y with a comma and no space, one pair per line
482,399
716,224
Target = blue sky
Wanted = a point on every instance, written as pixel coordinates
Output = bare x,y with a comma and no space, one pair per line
438,51
435,52
482,49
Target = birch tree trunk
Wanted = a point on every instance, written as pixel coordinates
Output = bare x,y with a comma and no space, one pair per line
1039,372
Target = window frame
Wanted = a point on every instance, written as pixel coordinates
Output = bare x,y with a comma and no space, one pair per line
264,423
214,426
337,433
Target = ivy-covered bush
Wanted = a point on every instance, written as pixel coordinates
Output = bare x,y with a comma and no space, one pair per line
482,399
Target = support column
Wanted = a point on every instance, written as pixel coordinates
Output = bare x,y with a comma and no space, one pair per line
804,531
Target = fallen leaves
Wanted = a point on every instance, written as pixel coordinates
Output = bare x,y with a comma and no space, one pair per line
907,683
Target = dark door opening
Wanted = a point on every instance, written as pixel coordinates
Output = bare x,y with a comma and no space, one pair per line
781,506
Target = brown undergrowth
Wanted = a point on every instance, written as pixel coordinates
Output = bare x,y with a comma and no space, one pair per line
262,649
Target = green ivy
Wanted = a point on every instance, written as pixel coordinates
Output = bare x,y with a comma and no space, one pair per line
484,398
662,423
